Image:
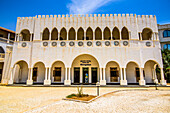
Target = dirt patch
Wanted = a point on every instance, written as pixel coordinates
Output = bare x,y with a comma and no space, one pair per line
85,98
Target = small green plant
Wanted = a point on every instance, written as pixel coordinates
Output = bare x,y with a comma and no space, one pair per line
80,91
70,96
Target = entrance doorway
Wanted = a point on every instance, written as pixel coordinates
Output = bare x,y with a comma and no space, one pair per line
114,74
35,70
85,75
76,75
94,74
57,74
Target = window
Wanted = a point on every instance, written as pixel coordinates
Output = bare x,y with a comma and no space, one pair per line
166,33
166,46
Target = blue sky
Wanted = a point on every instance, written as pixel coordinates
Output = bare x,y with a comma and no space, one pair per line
11,9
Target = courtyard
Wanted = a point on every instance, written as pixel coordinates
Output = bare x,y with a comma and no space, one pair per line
49,99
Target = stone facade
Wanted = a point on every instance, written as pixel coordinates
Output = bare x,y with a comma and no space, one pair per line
117,49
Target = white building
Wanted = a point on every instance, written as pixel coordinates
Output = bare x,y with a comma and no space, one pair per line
75,49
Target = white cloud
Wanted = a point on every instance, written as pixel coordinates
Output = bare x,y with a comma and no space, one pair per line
86,6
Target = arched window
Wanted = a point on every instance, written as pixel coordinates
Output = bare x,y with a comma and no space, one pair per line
147,34
63,34
166,33
80,34
46,34
25,34
107,35
115,34
72,34
98,34
89,34
54,34
125,34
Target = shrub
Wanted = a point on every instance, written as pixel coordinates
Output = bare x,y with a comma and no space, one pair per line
70,96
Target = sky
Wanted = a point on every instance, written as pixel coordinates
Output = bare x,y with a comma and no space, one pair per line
11,9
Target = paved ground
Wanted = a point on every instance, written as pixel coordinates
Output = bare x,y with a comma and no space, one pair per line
21,99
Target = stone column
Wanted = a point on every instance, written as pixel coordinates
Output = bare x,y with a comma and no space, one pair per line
121,75
102,78
84,35
41,35
129,35
30,37
47,80
111,36
11,77
90,75
102,35
120,35
49,35
30,81
163,81
141,81
8,37
81,81
58,35
67,81
141,36
67,35
124,81
94,35
76,35
104,74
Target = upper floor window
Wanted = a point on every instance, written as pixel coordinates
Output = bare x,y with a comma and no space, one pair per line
166,46
166,33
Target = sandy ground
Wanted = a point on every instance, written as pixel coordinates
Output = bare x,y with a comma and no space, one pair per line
49,99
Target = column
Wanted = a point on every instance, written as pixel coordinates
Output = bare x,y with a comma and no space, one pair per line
141,36
30,81
104,74
49,73
101,74
94,35
120,35
111,36
68,73
31,37
90,76
163,81
31,72
49,35
84,35
129,35
58,35
11,77
41,35
76,35
124,73
65,73
46,73
102,35
81,81
67,36
121,75
141,81
18,37
8,37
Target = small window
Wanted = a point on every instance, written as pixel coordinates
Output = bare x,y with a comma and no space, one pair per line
166,33
167,46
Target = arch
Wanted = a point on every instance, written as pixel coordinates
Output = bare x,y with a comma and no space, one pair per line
150,71
38,75
39,62
54,34
112,71
80,34
107,34
98,34
115,34
166,33
63,34
160,66
57,71
2,50
72,34
25,35
85,66
89,34
20,72
46,34
132,72
147,34
125,33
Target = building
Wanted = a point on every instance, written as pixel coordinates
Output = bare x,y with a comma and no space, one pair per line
164,35
6,41
77,49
